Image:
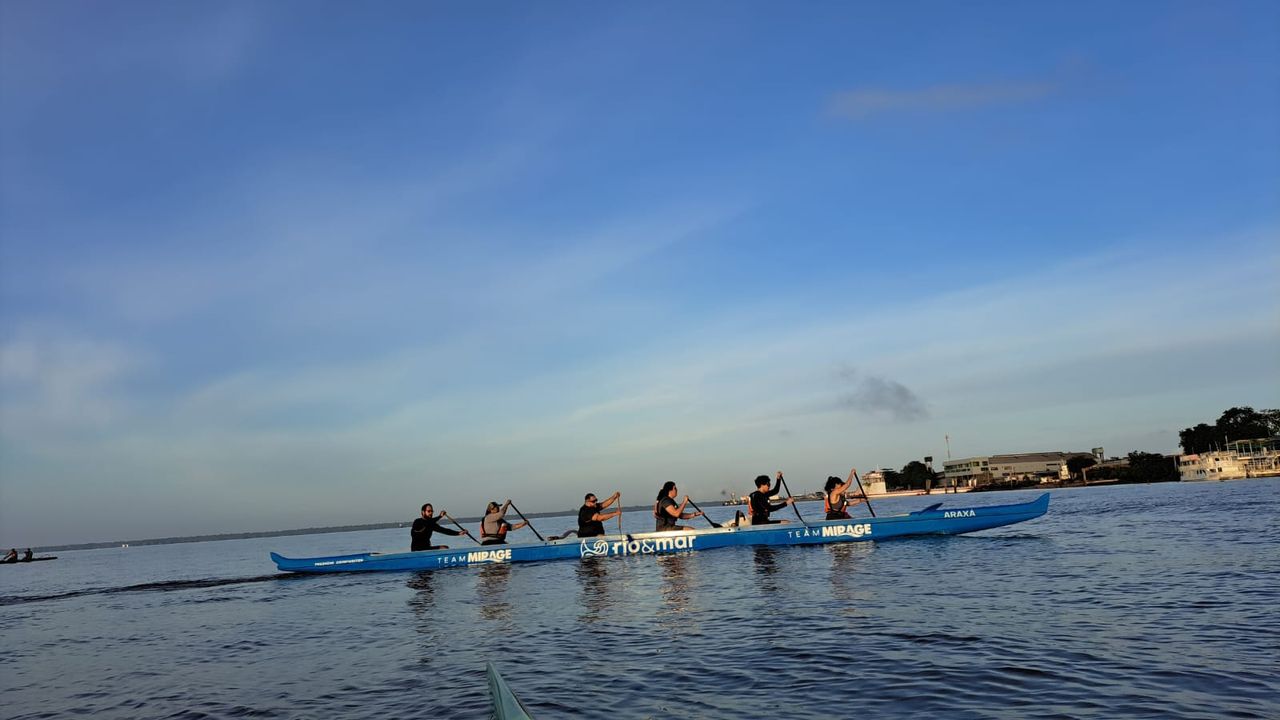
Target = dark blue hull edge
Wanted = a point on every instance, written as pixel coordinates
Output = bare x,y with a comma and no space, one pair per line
933,521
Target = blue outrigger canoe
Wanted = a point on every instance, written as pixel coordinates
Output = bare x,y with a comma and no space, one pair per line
933,520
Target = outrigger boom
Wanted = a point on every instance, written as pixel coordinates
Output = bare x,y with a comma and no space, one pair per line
933,520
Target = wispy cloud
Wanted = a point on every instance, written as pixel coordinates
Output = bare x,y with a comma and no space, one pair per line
863,103
881,396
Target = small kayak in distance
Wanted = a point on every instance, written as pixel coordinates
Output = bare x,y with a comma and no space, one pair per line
506,706
34,559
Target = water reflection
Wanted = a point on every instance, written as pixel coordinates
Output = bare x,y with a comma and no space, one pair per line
593,580
423,604
849,585
675,583
766,565
492,588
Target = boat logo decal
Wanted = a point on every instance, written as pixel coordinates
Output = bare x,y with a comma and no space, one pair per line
601,548
489,556
595,548
855,530
959,514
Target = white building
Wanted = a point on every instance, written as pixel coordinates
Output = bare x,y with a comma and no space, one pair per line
1241,459
1048,466
966,472
872,483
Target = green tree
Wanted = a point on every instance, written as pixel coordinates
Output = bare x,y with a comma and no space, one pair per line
1197,439
1077,463
916,474
1238,423
1243,423
1151,467
892,480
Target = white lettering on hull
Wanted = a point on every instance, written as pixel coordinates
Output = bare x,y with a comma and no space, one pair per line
855,530
959,514
489,556
648,546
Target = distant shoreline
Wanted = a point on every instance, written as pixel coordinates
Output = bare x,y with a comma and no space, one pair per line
298,531
466,520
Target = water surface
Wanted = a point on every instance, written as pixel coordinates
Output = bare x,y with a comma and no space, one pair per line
1123,602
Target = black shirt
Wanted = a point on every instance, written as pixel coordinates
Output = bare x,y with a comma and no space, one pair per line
586,526
666,521
761,507
421,533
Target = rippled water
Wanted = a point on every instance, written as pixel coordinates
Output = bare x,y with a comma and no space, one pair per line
1137,601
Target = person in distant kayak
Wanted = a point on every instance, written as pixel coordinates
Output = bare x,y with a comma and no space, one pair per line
667,511
420,533
760,506
11,556
494,527
26,556
591,519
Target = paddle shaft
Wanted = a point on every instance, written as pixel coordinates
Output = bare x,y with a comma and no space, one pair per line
793,501
455,522
864,493
714,524
619,513
526,522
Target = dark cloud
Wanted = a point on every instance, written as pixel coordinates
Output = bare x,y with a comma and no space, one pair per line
877,395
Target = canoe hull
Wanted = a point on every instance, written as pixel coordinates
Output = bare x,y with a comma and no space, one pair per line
933,521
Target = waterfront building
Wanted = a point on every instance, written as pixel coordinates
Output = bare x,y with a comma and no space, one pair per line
1242,459
967,472
872,483
1047,466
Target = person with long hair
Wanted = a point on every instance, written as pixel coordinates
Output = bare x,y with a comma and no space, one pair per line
494,527
666,511
834,501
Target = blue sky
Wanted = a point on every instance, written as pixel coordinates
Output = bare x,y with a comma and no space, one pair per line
298,264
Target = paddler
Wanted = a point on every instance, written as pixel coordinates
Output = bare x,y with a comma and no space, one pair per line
760,506
11,556
424,526
835,502
494,527
590,518
666,511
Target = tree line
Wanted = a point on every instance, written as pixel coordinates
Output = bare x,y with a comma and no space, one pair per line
1238,423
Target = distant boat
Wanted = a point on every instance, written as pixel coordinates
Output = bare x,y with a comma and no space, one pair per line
933,520
34,559
506,706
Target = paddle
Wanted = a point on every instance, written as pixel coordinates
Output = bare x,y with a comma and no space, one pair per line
455,522
864,494
714,524
619,513
526,521
793,500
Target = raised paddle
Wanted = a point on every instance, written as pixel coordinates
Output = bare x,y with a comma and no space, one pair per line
619,513
455,522
714,524
526,521
793,500
864,494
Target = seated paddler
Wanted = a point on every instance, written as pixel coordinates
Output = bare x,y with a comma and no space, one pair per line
760,506
591,516
494,527
424,526
666,511
835,502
